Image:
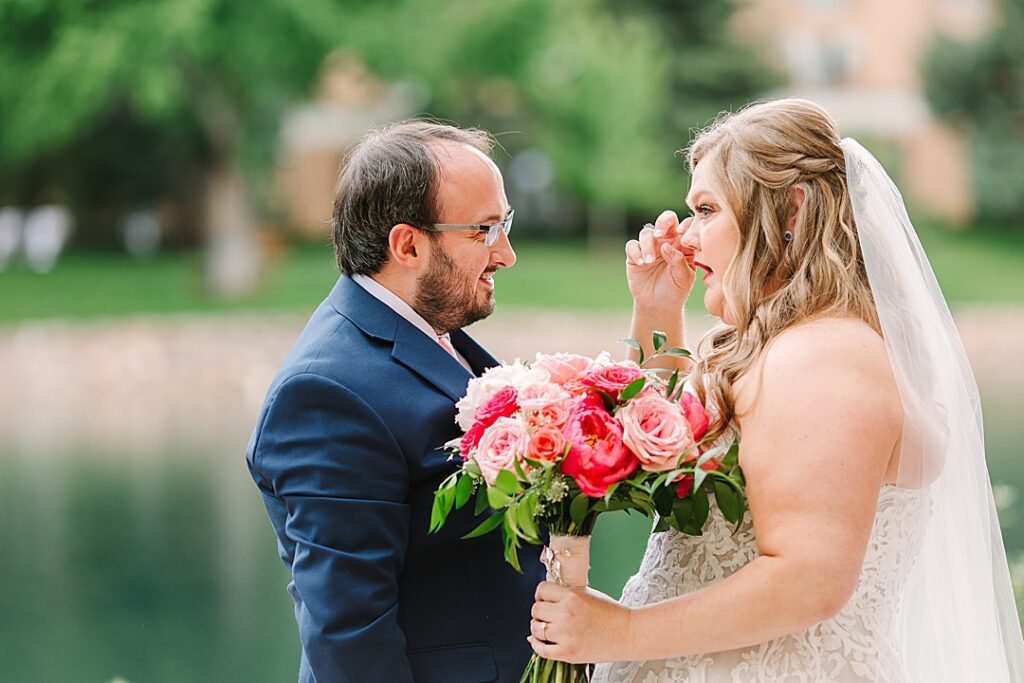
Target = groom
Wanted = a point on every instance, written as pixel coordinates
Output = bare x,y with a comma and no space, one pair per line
347,450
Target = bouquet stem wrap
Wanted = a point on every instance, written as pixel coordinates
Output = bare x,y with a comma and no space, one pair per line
567,559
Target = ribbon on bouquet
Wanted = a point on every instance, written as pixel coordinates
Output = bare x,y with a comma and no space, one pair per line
567,560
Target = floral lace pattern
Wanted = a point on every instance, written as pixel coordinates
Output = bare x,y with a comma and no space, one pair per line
858,645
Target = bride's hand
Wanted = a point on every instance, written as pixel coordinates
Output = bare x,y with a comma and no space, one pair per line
578,627
659,269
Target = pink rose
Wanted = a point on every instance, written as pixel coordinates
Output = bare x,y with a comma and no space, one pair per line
537,396
656,430
545,404
612,379
562,366
597,458
546,443
499,446
502,404
695,415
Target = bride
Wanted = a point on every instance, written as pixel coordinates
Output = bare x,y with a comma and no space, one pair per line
871,550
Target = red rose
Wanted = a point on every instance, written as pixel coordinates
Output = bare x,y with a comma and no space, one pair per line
503,404
611,379
683,490
597,458
695,415
686,481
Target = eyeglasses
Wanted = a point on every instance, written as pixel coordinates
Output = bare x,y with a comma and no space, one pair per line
492,230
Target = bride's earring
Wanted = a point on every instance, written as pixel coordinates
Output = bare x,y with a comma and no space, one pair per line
788,235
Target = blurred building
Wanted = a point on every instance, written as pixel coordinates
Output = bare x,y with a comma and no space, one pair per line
861,60
315,137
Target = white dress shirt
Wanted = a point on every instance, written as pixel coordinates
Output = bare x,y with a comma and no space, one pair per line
396,304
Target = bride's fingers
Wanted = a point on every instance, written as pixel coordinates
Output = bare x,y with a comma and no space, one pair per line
633,254
666,224
648,250
541,630
544,611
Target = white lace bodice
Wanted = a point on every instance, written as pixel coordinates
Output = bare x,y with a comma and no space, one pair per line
858,645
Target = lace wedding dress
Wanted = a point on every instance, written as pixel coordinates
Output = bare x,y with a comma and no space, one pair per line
859,644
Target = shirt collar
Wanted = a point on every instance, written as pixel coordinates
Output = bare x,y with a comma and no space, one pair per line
396,304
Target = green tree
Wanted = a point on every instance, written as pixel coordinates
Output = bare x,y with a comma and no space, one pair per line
217,75
978,88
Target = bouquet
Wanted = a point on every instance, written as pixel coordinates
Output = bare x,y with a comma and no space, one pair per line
556,442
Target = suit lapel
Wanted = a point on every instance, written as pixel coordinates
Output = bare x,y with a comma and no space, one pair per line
429,360
477,356
413,349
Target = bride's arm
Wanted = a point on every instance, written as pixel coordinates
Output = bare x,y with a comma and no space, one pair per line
660,279
822,420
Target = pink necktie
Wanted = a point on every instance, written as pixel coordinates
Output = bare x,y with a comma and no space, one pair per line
445,341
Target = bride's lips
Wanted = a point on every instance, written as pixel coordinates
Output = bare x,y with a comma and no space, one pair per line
710,272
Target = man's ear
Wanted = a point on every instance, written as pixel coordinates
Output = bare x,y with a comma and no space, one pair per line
404,245
796,202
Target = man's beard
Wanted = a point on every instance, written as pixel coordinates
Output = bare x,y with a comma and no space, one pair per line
446,298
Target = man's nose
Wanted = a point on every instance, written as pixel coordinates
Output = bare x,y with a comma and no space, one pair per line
502,253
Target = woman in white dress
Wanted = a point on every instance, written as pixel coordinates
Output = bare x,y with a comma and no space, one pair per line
871,550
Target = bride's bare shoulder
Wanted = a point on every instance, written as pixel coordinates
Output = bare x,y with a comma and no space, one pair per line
820,356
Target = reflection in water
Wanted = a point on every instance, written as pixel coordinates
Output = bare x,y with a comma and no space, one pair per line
150,573
135,545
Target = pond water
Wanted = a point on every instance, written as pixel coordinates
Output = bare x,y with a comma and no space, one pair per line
152,561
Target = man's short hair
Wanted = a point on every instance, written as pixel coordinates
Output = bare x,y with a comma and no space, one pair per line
390,177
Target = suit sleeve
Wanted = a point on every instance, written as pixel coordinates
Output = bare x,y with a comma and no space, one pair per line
343,480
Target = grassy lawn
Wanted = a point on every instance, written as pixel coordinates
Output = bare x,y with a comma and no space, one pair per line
972,267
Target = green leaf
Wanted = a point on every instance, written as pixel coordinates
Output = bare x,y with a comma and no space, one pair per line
606,398
700,507
727,501
663,501
481,500
488,525
682,512
507,482
463,492
699,476
673,380
677,351
632,389
659,338
525,512
662,525
732,456
578,508
636,346
444,498
497,498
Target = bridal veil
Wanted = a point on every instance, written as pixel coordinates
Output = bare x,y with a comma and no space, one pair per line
958,620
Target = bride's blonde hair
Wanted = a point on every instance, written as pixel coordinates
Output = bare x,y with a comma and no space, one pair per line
758,156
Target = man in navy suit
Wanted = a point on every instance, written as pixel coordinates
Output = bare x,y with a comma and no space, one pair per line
347,451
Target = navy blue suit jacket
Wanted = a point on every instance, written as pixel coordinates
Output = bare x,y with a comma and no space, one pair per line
347,455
